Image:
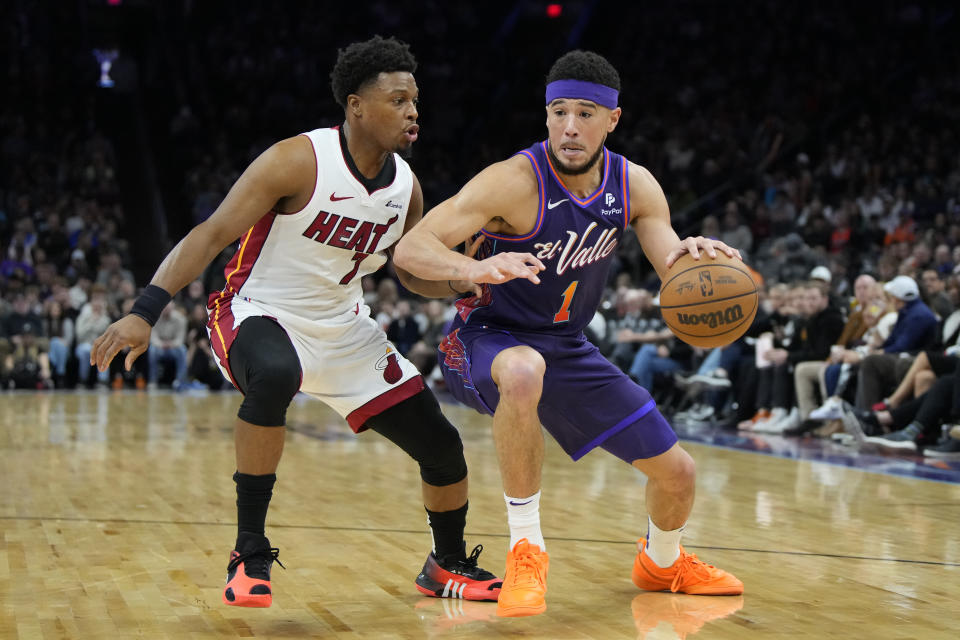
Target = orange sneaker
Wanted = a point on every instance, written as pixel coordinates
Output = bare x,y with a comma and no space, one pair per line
687,575
525,581
686,614
248,574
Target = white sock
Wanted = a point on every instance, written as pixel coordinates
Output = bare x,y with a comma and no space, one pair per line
523,516
663,547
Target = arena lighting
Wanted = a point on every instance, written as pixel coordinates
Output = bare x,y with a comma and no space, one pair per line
105,58
554,10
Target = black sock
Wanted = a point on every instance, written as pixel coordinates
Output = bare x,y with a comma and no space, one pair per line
253,499
447,529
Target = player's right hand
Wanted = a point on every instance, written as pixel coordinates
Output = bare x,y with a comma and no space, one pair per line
504,267
129,331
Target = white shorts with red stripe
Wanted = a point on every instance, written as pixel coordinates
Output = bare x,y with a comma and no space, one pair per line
347,361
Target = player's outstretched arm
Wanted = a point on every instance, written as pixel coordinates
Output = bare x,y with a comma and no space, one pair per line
491,197
650,219
430,288
281,174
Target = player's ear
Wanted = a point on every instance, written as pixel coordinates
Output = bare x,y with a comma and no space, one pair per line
614,119
354,103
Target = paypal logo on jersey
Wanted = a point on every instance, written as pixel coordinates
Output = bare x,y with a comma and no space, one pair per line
574,253
608,200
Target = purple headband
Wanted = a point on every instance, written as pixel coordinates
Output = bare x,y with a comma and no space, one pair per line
580,89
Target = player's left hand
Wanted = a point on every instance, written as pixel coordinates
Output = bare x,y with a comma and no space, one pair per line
694,245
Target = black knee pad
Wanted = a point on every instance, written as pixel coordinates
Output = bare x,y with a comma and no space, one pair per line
267,369
417,426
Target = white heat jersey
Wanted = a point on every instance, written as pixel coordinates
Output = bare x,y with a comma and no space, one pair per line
309,264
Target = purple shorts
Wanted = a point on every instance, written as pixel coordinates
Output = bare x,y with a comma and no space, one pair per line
587,402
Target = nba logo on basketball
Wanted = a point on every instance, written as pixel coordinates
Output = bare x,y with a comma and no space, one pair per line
706,284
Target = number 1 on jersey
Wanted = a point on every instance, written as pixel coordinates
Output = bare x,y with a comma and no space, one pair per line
564,314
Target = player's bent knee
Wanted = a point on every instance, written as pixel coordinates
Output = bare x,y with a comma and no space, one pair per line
519,372
446,465
269,390
675,472
417,426
266,369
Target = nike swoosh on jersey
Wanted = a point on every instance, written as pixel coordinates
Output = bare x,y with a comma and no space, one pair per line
335,198
552,205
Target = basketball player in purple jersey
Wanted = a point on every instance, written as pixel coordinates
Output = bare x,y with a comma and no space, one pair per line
315,213
517,350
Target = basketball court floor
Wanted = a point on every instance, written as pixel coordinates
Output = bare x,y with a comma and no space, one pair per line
117,517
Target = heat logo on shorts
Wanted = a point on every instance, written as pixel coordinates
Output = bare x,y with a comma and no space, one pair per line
390,365
713,319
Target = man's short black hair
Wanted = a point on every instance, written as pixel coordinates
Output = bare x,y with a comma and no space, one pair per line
587,66
362,62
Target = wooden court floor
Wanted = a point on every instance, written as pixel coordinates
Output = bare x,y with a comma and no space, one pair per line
117,514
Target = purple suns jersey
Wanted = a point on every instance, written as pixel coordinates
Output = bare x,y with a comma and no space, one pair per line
574,238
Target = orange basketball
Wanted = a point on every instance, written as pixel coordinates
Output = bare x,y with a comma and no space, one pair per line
708,302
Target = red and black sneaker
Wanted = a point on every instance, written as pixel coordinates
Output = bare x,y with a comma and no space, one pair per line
453,577
248,574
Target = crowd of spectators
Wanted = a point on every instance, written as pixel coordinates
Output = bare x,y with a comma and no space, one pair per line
820,141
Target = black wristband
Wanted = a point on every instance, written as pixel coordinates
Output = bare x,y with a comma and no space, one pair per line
150,303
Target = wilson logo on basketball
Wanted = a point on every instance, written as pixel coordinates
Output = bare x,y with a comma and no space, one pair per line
713,319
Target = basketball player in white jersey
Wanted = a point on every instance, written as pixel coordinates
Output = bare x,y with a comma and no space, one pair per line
314,214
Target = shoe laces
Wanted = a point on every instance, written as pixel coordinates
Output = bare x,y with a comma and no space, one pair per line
257,562
690,566
469,566
526,565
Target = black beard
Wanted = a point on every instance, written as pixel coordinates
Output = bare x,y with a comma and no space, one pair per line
405,152
563,170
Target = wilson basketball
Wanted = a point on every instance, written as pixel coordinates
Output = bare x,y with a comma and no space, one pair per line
708,302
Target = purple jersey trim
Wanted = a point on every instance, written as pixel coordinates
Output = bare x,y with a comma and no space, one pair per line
556,176
540,196
625,185
615,429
